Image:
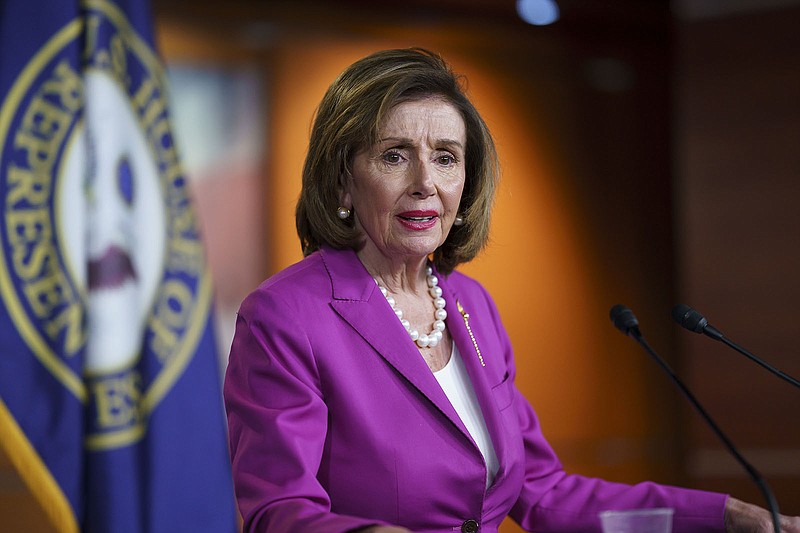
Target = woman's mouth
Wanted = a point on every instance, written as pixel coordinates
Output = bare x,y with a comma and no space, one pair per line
418,220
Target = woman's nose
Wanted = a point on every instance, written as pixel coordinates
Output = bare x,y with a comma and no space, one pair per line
422,184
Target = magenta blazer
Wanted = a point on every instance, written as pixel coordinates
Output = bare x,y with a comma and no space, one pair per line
336,422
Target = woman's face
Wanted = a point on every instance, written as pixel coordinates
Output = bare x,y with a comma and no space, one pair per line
406,188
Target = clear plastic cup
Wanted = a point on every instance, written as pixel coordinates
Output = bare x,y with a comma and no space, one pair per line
637,521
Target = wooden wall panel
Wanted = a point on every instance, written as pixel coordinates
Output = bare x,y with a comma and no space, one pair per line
737,130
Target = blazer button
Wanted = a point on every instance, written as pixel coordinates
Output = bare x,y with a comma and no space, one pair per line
469,526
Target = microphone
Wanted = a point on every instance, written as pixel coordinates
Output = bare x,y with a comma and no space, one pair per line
624,320
694,321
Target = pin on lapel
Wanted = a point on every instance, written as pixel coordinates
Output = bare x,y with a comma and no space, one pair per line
469,330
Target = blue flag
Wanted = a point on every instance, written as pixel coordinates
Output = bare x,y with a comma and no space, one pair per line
110,394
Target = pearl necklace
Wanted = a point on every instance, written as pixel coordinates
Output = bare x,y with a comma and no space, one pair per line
431,339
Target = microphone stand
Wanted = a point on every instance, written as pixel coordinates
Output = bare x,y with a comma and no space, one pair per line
631,329
750,356
690,319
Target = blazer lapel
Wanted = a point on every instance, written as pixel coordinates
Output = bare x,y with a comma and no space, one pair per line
358,301
475,363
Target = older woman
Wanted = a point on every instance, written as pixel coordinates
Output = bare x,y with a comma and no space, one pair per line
370,386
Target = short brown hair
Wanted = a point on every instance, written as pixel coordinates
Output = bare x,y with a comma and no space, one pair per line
348,118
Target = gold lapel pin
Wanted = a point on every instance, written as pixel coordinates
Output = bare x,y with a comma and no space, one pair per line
469,330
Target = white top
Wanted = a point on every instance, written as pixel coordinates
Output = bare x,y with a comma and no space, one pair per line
455,383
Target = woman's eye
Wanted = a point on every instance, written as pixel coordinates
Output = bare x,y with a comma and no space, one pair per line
446,160
392,157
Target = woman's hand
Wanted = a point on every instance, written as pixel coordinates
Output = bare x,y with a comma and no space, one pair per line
741,517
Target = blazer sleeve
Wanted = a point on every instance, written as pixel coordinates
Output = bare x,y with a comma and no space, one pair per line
277,423
553,501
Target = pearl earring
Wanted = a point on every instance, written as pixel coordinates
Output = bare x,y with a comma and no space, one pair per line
458,220
343,212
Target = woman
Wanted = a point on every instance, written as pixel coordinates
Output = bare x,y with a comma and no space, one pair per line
370,386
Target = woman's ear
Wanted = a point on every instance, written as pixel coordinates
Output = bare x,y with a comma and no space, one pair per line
345,200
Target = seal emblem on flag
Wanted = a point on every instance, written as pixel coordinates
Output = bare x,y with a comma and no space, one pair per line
101,264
